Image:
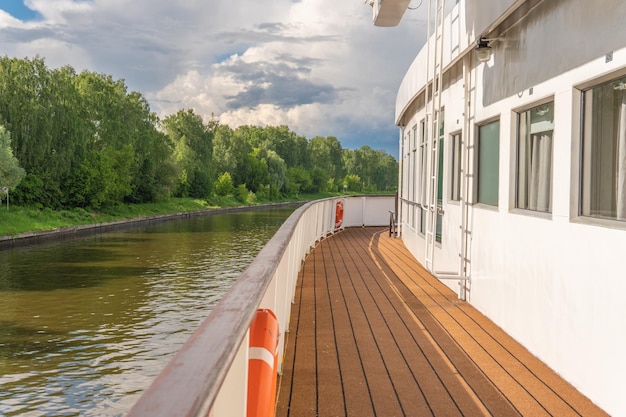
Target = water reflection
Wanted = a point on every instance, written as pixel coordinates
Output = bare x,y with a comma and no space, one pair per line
86,325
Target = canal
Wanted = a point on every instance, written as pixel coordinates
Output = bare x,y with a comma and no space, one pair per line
87,324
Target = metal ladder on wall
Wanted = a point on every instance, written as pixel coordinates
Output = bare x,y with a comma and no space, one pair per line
467,166
433,126
467,175
463,274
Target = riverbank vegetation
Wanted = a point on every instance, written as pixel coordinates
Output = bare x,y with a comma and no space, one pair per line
21,219
81,143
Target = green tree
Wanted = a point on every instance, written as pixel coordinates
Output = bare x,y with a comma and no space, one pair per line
153,169
241,193
193,143
39,107
291,148
327,154
374,167
11,173
276,168
224,184
353,182
58,119
254,171
224,153
319,180
298,181
103,179
386,178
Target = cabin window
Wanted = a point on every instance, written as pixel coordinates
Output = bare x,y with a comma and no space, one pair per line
413,171
488,163
410,190
439,138
405,168
414,179
406,178
604,151
534,158
455,167
423,178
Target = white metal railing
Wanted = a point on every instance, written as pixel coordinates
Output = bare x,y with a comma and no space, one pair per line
208,375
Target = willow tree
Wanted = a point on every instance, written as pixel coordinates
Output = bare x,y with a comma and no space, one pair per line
40,108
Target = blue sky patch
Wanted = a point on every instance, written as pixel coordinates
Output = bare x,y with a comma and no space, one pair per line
17,9
226,56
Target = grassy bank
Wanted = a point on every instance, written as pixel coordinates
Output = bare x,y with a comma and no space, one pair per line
16,219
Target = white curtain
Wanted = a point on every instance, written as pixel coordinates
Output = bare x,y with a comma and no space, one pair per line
540,172
535,169
621,161
523,162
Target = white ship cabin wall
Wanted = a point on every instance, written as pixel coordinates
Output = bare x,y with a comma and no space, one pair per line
543,130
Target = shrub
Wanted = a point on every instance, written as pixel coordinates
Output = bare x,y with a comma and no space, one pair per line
224,185
241,193
353,182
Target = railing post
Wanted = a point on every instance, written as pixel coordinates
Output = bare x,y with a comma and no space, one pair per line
232,398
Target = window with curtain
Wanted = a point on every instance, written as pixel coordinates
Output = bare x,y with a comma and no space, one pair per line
604,151
534,158
488,163
455,167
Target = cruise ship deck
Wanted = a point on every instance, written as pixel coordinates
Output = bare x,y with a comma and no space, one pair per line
374,334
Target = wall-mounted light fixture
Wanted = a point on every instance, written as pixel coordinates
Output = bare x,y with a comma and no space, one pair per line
483,50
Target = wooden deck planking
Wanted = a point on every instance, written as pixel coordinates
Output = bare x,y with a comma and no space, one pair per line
374,334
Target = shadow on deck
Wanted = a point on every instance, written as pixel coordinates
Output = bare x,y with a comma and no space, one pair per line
374,334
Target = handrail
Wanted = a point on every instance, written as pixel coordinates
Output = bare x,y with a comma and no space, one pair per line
195,378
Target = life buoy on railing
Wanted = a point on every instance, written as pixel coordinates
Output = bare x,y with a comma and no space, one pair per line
338,214
262,364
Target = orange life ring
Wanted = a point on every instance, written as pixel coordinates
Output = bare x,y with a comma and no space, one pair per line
262,364
338,214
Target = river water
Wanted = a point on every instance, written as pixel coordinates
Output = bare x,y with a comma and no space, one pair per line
87,324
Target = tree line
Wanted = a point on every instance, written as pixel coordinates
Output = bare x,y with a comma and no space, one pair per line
71,139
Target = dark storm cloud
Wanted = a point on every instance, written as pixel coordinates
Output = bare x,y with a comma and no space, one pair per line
281,83
284,92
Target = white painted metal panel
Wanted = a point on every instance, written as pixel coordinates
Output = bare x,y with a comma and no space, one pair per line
388,13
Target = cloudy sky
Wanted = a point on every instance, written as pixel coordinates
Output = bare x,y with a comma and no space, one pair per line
318,66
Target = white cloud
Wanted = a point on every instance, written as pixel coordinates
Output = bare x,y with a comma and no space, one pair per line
56,53
56,12
8,21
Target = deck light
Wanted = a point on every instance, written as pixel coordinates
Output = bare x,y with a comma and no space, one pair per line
483,50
